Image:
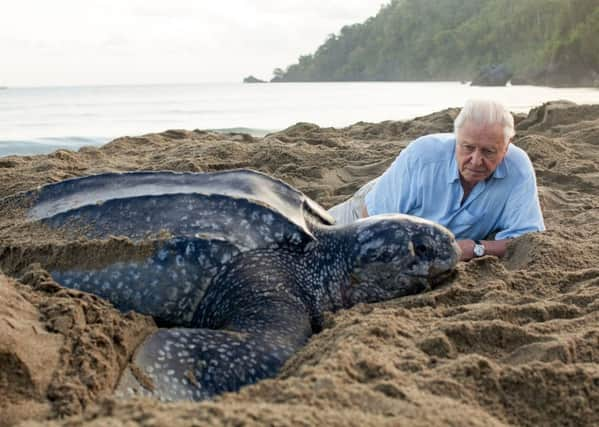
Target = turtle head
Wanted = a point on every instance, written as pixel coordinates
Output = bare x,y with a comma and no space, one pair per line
397,255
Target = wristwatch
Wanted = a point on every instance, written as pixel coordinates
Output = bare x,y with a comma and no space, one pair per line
479,248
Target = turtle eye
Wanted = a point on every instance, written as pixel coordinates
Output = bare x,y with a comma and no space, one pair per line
423,246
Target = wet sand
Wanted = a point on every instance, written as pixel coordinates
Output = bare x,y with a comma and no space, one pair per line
512,341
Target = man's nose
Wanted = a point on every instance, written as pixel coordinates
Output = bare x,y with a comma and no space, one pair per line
477,158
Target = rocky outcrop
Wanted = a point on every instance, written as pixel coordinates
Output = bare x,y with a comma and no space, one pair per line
493,75
561,75
252,79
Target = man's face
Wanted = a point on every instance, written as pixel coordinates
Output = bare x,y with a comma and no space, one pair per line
479,150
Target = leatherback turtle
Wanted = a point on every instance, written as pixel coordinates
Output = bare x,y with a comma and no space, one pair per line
236,267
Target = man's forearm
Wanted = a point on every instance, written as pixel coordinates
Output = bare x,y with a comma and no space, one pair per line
492,247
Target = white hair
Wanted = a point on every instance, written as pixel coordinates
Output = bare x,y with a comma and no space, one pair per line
486,112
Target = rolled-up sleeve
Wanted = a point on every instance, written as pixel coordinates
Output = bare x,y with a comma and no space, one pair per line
522,213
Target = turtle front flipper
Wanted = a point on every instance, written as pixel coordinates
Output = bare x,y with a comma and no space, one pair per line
240,222
233,203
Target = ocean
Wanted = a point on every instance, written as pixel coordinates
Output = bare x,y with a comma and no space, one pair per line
41,120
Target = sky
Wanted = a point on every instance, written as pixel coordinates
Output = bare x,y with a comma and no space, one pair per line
81,42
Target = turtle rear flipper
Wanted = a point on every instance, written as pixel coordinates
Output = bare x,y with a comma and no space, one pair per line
164,279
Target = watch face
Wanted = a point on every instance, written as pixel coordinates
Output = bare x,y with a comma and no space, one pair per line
479,250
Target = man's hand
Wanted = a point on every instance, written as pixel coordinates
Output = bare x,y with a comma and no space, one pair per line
492,247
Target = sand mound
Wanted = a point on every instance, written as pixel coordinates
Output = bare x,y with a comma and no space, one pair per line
512,341
59,349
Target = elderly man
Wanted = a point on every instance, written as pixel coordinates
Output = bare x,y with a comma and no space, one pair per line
474,182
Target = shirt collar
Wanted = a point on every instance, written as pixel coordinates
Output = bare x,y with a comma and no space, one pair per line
454,173
501,170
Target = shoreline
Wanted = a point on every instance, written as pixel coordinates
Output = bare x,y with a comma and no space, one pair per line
61,116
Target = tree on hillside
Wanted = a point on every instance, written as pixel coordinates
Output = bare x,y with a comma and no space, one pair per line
453,39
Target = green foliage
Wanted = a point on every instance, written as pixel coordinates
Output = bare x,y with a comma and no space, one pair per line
453,39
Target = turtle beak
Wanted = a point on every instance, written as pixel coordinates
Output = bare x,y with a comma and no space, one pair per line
442,271
437,279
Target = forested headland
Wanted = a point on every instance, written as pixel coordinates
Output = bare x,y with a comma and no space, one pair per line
553,42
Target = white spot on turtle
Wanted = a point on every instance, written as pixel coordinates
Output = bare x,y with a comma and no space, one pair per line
162,254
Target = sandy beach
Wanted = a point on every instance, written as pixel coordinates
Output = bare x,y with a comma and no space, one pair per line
511,341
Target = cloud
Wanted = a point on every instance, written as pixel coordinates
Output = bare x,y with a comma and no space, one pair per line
138,41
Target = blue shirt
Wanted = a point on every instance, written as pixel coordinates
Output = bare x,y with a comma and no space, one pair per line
424,181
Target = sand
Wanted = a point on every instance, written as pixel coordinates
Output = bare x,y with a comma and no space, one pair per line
511,341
